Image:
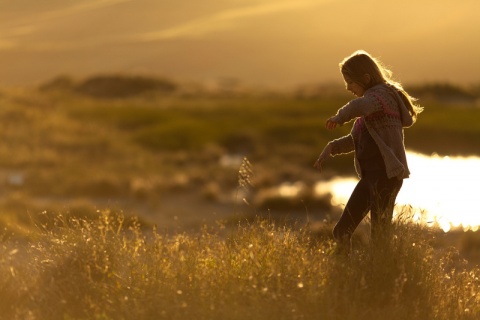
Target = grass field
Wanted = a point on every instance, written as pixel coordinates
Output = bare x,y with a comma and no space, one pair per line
74,169
109,268
67,146
50,137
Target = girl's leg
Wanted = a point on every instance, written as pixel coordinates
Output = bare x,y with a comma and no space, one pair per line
356,209
386,191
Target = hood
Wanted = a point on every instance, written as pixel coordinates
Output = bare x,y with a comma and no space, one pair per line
405,116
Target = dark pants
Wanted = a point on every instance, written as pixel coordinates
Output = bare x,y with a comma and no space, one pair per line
375,193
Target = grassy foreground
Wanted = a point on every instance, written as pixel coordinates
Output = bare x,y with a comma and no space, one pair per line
111,268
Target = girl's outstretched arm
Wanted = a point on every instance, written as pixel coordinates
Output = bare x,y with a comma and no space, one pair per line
356,108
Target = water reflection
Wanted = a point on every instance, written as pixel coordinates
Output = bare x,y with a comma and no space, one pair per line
441,190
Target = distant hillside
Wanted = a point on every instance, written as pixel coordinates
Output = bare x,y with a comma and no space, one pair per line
128,85
445,92
111,86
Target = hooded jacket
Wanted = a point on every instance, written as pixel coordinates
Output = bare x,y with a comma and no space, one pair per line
385,115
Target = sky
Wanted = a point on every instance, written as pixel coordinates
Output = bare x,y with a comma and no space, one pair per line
278,43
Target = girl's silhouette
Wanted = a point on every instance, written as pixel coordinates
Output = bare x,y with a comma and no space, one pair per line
381,111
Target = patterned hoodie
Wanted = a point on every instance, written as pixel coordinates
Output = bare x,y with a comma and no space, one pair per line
385,115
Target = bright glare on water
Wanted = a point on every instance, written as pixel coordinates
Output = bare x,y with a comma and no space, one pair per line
442,191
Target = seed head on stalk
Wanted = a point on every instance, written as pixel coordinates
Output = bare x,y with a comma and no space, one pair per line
245,174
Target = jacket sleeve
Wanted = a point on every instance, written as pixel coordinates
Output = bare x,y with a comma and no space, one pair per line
342,145
357,108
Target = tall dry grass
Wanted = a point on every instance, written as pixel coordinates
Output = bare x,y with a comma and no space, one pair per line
111,268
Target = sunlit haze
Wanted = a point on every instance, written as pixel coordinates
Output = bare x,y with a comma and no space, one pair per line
259,42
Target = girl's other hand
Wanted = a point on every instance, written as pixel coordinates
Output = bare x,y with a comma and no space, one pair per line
318,165
331,123
327,151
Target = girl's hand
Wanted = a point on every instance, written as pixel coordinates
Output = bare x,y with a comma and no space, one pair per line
331,123
326,153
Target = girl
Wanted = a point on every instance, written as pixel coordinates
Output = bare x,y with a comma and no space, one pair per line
381,111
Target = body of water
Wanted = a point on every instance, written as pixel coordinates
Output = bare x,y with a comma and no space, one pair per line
441,190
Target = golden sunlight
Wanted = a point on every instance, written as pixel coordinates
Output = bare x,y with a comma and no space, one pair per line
442,191
294,41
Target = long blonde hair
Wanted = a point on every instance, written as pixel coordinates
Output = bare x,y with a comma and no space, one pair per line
360,63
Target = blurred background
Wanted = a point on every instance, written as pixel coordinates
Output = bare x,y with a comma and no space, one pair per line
186,112
281,43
